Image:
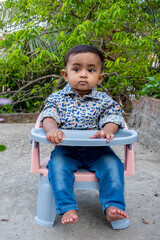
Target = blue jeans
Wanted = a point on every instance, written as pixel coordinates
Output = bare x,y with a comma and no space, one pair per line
108,168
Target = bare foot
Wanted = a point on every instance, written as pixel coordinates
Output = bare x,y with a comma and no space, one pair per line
113,214
70,217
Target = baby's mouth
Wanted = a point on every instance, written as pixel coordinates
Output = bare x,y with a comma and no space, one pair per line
82,82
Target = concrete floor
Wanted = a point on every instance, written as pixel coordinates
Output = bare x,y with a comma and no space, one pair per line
18,196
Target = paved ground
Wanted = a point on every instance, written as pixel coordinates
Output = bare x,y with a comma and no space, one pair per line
18,196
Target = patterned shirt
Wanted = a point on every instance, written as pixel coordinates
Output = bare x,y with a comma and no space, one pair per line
70,111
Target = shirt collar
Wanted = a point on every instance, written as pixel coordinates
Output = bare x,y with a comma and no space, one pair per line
67,90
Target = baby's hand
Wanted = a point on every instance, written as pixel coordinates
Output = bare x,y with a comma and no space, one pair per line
103,134
55,136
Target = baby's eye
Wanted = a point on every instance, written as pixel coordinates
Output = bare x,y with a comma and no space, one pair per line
90,70
76,69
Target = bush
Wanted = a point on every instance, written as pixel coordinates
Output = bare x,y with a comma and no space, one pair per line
152,88
3,101
32,57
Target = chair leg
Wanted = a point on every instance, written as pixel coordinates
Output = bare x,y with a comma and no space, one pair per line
121,224
46,210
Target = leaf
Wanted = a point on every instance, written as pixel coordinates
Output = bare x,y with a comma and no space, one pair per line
33,91
2,148
151,78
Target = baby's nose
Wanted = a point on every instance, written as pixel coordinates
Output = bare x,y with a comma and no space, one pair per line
83,73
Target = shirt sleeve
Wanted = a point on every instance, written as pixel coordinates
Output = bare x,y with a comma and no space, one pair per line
50,110
112,114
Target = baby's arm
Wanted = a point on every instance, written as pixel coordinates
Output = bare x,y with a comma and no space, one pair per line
107,131
53,133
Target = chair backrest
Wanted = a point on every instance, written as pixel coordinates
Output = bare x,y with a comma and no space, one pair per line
38,166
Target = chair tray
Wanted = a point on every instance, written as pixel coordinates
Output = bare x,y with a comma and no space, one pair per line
81,137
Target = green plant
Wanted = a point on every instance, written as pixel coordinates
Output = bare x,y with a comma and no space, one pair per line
152,88
31,58
2,148
3,101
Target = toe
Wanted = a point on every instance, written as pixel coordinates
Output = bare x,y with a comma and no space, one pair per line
69,217
113,214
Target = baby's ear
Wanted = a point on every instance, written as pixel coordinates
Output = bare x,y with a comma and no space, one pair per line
64,74
101,78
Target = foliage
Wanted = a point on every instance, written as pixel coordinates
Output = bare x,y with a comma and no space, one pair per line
152,88
2,148
32,58
3,101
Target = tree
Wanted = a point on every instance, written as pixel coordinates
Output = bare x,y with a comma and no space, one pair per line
32,57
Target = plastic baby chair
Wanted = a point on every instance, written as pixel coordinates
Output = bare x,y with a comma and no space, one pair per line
46,211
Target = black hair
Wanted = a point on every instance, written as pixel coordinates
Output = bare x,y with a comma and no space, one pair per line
82,49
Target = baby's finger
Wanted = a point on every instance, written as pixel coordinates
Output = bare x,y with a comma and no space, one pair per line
102,134
108,137
96,135
48,137
61,136
52,139
112,136
57,139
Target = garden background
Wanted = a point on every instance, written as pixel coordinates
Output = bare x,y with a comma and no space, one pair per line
36,34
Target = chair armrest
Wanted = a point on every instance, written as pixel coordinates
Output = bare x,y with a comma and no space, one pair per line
35,157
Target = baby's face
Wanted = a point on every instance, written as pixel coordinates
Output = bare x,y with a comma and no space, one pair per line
83,72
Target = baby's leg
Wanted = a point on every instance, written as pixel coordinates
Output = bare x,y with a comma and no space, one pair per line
110,172
61,168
